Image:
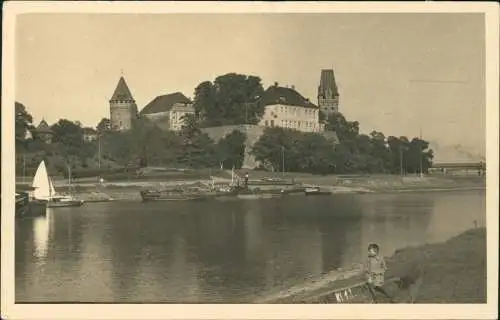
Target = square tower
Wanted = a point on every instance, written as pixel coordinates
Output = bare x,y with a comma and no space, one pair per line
328,94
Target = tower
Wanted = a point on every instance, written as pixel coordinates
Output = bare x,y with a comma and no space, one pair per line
328,94
123,109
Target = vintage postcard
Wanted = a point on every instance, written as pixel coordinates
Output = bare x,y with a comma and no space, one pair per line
224,160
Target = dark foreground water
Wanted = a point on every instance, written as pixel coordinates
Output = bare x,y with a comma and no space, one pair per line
220,251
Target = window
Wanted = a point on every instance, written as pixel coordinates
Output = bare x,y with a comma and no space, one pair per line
265,123
272,123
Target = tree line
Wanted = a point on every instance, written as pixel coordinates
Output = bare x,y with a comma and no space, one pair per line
144,145
349,152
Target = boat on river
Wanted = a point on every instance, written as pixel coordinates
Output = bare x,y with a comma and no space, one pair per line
26,207
44,190
316,191
168,195
224,193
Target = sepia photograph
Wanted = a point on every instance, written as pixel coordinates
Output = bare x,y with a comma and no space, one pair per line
260,154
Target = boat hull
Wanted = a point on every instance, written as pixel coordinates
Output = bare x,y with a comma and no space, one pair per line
65,204
317,193
30,208
148,196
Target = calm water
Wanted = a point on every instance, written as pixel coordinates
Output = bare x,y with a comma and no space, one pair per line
220,251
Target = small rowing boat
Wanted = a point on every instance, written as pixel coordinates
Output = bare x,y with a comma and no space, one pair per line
316,191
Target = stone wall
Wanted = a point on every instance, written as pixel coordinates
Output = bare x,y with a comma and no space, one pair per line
253,133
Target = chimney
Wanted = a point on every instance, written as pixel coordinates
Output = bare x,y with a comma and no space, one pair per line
276,83
293,87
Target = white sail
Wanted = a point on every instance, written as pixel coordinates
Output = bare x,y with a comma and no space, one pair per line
44,189
52,189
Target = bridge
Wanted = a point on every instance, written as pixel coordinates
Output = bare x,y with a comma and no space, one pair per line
469,165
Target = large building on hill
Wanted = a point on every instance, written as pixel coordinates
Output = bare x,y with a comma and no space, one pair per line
123,109
286,108
44,132
328,93
168,110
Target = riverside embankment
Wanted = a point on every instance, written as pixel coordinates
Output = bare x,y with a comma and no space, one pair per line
453,271
89,190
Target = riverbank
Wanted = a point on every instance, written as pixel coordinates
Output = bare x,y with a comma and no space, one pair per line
129,190
451,272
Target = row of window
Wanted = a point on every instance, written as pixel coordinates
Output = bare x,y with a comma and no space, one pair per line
292,124
297,111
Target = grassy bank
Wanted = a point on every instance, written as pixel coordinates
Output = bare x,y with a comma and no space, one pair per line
451,272
88,189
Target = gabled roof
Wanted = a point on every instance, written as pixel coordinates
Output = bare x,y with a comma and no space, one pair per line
122,92
286,96
327,83
165,103
43,127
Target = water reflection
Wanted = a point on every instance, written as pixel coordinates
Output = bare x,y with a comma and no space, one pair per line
220,251
41,231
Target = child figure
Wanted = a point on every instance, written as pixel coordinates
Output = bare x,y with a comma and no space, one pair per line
375,269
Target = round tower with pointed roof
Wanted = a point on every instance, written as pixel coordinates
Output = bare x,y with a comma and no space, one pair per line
123,109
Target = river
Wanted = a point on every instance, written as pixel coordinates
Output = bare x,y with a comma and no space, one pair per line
221,252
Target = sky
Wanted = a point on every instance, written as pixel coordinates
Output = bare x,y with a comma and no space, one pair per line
399,73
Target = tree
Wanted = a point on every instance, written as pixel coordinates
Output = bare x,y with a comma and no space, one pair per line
379,150
269,148
418,157
23,121
104,125
231,150
197,149
69,136
231,99
296,151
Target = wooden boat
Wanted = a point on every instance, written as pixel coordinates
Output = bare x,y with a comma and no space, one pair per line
158,195
355,290
316,191
26,207
44,190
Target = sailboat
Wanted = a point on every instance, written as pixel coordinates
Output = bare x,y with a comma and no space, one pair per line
44,190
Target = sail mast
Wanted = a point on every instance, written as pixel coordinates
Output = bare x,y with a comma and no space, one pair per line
50,184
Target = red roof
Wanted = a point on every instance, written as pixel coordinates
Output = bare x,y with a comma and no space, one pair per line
122,92
165,103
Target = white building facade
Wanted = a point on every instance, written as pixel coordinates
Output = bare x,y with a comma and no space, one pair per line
286,108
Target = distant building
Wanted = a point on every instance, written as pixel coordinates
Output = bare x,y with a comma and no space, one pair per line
123,109
43,132
89,134
286,108
167,111
328,94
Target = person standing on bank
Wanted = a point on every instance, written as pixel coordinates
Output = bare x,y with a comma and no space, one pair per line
375,269
246,180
